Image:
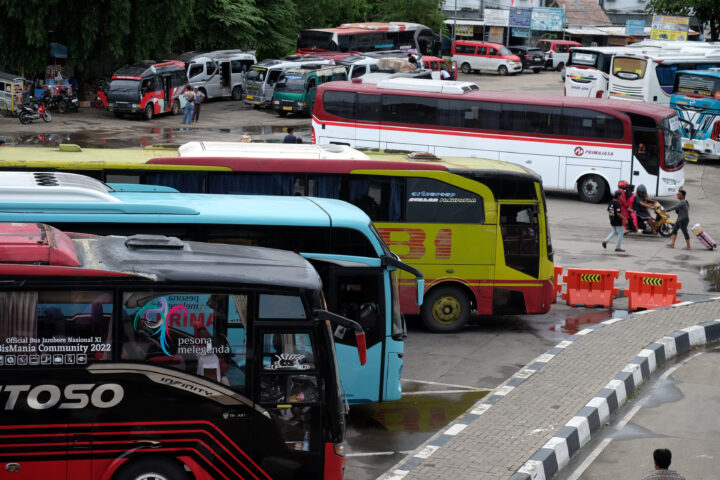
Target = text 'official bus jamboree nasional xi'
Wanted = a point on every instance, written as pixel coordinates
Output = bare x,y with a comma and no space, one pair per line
572,143
358,270
103,377
476,229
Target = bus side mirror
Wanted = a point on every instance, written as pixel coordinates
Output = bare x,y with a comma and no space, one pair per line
341,325
420,287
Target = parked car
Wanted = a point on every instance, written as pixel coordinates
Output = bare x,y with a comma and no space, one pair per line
557,52
531,57
485,56
435,64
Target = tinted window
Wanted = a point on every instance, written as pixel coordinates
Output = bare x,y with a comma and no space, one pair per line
195,70
508,188
432,201
465,49
210,67
368,108
579,122
407,109
493,52
482,51
341,104
521,237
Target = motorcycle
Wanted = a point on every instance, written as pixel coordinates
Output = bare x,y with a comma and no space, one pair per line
28,113
67,103
662,225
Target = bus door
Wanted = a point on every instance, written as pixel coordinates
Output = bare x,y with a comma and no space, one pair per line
167,90
357,293
310,89
289,387
518,254
225,78
367,131
645,165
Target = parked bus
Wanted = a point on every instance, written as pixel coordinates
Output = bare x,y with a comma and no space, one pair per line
220,73
262,77
476,229
650,77
354,38
572,143
295,89
147,89
696,97
588,71
149,357
358,270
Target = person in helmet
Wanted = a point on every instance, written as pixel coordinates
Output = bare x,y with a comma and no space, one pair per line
643,206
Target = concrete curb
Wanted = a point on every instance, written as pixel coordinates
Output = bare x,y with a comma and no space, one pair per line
556,453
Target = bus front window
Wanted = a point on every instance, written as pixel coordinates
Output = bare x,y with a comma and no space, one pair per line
672,143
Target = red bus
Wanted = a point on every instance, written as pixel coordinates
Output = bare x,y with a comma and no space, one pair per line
132,358
148,89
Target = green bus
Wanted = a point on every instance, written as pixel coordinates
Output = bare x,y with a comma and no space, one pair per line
295,89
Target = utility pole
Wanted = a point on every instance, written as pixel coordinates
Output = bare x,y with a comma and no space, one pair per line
454,26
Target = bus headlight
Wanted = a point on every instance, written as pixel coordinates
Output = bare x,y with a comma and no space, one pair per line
669,181
276,102
340,449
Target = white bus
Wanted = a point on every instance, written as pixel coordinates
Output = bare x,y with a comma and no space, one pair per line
650,77
588,70
572,143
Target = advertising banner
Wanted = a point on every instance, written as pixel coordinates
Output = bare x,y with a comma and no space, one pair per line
464,31
547,19
520,17
635,27
521,32
669,28
496,16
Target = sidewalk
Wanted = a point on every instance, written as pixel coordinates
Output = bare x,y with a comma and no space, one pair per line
499,435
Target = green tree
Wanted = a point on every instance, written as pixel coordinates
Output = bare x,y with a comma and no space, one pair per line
223,24
707,11
331,13
426,12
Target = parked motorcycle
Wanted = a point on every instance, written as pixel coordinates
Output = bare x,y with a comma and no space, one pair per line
28,113
67,103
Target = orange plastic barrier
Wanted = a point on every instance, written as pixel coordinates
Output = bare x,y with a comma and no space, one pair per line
557,283
651,290
590,287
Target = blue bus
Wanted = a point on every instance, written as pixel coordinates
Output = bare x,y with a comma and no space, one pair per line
696,97
359,272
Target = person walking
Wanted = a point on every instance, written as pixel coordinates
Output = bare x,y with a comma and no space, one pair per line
616,221
189,108
198,99
290,138
683,219
412,59
662,458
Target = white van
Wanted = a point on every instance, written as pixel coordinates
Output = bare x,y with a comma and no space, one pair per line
220,73
262,77
359,65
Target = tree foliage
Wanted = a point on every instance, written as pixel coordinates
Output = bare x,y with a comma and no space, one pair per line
121,31
707,11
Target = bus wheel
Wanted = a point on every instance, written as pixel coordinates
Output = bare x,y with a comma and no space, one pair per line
176,107
502,70
237,93
151,469
465,68
560,66
446,309
148,115
592,188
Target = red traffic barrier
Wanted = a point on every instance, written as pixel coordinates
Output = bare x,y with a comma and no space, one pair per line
590,287
651,290
557,283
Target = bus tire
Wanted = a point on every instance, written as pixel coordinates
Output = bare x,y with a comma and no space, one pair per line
465,68
502,70
445,309
560,66
592,188
151,468
176,107
148,112
237,93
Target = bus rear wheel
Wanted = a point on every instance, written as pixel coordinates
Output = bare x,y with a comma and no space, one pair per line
446,309
151,469
237,93
592,188
149,112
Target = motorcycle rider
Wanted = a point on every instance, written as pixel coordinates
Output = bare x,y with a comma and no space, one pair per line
643,206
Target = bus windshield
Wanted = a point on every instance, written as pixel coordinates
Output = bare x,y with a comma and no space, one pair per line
124,86
629,68
316,39
256,74
699,85
291,83
588,59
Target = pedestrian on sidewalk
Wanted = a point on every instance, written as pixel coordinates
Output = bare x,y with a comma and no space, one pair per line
662,458
199,97
683,219
616,221
189,108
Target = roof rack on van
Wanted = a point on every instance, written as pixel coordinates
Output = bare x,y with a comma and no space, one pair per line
422,85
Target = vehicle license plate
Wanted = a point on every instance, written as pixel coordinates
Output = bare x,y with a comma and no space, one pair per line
287,108
688,145
249,97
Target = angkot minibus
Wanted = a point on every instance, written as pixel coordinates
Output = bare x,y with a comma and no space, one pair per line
359,272
109,374
582,144
696,97
477,229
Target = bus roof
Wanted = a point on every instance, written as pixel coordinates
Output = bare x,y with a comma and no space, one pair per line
29,248
657,112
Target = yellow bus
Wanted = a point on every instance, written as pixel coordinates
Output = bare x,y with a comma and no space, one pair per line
476,228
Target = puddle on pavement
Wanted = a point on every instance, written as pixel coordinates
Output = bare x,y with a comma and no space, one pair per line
664,392
574,322
711,274
633,432
134,137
